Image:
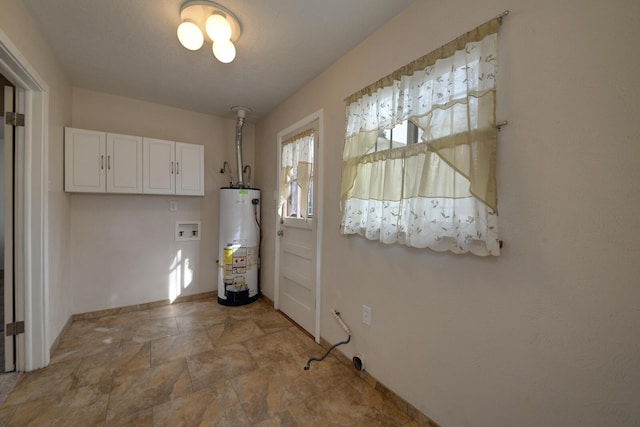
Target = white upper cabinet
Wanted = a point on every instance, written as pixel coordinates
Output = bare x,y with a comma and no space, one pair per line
189,169
124,164
84,154
98,162
172,168
159,166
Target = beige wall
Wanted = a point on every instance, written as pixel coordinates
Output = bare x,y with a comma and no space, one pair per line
123,248
23,33
545,334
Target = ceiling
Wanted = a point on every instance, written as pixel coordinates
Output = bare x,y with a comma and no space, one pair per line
130,48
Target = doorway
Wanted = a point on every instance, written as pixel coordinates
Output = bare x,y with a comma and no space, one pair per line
299,221
30,246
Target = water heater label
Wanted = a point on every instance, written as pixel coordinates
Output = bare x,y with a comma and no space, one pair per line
228,256
252,257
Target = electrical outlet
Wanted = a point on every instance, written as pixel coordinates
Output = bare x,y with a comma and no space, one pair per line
173,205
366,315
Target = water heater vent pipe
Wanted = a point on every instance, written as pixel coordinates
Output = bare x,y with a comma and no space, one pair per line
242,112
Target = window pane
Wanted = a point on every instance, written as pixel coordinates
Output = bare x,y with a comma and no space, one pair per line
310,210
419,133
399,134
293,204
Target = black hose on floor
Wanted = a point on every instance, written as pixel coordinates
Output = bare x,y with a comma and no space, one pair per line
324,356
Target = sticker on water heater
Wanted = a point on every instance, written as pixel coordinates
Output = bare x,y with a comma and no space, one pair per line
228,256
240,257
239,283
252,256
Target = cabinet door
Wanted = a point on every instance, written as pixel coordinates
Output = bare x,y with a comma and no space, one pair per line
158,166
189,169
124,163
84,157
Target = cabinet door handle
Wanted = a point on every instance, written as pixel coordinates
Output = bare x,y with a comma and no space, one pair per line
177,168
109,162
102,161
171,168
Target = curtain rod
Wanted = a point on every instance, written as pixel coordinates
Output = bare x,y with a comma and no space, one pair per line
502,15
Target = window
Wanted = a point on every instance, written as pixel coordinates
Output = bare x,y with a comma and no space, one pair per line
296,176
292,206
419,156
401,135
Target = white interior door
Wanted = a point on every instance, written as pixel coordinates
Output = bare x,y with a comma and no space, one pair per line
297,290
297,277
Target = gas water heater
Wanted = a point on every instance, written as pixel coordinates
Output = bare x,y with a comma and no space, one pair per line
239,244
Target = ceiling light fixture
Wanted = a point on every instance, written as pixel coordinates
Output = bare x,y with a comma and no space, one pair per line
220,27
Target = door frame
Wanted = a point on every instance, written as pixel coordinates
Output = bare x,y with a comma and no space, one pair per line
8,198
318,168
31,260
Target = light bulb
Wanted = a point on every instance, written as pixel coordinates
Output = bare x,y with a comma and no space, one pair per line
218,28
225,52
190,35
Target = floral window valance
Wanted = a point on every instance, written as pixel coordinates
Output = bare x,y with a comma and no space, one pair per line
439,193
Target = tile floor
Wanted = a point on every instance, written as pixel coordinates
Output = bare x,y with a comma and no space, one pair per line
190,364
